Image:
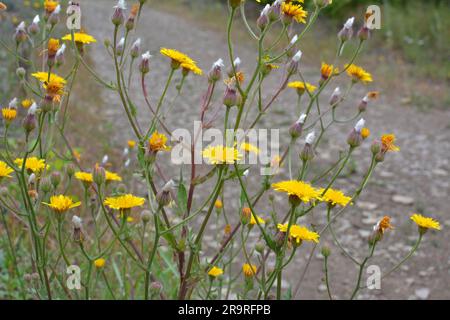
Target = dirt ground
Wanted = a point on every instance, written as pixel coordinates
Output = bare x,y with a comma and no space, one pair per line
413,180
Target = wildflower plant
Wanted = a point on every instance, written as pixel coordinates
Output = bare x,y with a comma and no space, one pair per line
153,223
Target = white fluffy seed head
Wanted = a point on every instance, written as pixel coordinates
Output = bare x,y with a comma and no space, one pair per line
121,5
302,119
146,56
349,23
297,56
36,19
33,108
360,125
310,138
218,63
77,222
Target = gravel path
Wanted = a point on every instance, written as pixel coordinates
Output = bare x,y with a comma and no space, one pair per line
415,179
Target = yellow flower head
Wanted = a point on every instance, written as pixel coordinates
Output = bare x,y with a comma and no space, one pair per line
299,233
384,224
80,37
358,74
131,144
215,272
43,77
253,220
158,142
127,201
54,88
302,190
248,147
61,203
327,70
111,176
5,170
425,222
32,164
218,204
335,197
9,114
53,46
26,103
301,86
388,143
178,58
221,155
50,6
84,176
249,270
191,67
294,11
365,133
99,263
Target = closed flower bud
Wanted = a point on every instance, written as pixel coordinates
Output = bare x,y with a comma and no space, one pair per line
70,170
230,97
297,128
379,157
364,33
129,25
21,34
47,103
246,215
120,47
146,216
335,97
355,138
326,251
260,246
29,123
308,153
293,66
54,17
215,74
118,15
78,235
237,66
263,19
34,26
155,288
235,3
21,72
144,65
375,147
135,49
55,178
347,31
99,175
60,55
164,196
275,11
46,185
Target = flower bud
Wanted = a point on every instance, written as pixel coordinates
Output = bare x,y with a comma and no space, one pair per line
347,31
235,3
78,235
308,153
54,17
21,72
60,55
120,47
326,251
237,64
46,103
260,246
55,179
29,123
230,97
70,170
215,74
263,19
355,138
155,288
275,11
118,15
164,196
135,48
34,26
364,33
293,66
297,128
146,216
46,185
246,215
144,65
335,97
21,34
375,147
99,175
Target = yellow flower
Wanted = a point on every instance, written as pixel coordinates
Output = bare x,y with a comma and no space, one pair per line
215,272
327,70
33,164
127,201
249,270
50,6
299,233
178,58
84,176
301,86
131,144
158,142
253,220
358,74
365,133
5,170
99,263
53,46
302,190
26,103
384,224
191,67
111,176
9,114
80,37
61,203
43,77
388,143
55,88
294,11
221,155
335,197
425,222
249,148
218,204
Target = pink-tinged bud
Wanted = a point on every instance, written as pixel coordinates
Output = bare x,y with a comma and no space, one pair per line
29,122
164,196
363,104
263,19
275,11
54,17
21,34
336,97
47,103
293,66
215,74
120,47
308,153
364,33
291,50
135,49
70,170
230,97
347,31
355,138
237,66
144,65
297,128
129,25
379,157
375,148
99,175
55,179
34,26
118,16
